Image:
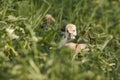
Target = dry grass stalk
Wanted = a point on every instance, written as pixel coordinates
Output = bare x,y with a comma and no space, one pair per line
49,18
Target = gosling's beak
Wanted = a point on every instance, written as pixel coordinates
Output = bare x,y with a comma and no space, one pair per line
71,36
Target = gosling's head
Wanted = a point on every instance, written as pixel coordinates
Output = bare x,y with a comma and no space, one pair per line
70,30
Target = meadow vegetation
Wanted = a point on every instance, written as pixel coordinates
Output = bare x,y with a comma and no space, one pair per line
29,46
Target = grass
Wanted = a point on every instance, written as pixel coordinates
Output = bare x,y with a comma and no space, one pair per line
29,52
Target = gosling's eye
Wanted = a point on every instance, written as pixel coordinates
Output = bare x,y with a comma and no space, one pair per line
67,31
73,30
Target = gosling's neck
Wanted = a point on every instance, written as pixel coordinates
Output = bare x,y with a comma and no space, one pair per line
64,41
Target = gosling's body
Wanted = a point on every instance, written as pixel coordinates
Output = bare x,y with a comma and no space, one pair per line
77,47
70,33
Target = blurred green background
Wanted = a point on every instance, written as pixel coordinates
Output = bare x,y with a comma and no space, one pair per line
29,51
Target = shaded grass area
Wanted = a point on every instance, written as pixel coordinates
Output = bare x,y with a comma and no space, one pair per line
29,51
